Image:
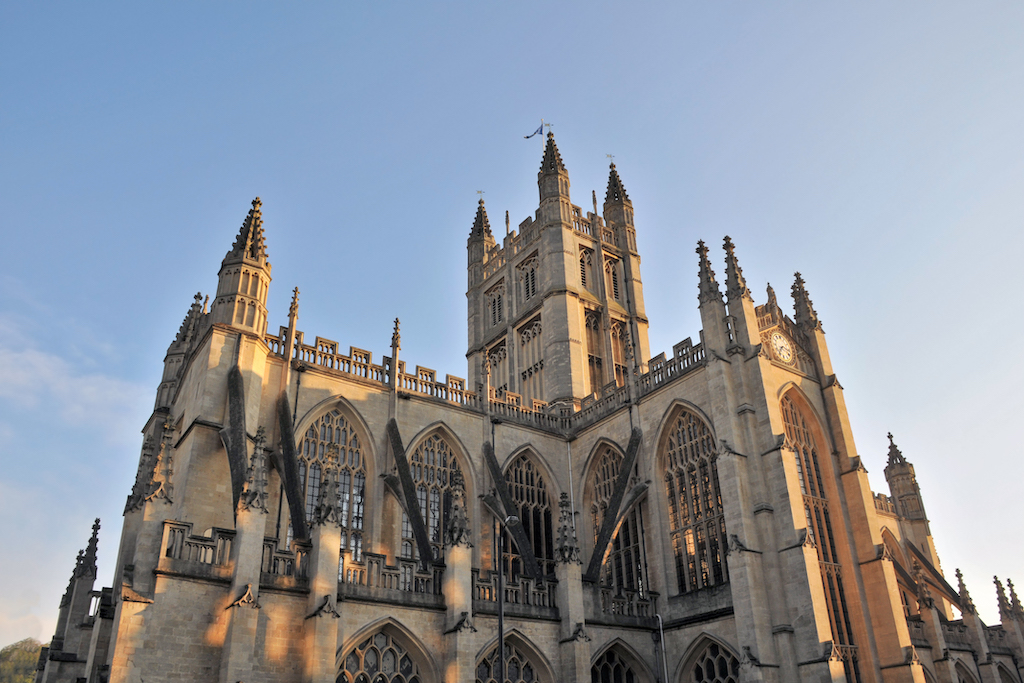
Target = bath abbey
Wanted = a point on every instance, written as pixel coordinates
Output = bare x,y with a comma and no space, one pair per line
575,510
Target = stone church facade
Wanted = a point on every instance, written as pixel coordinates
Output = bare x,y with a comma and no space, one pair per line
303,514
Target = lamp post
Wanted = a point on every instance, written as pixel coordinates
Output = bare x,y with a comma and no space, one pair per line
510,520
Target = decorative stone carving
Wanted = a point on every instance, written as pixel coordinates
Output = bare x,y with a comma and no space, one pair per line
465,623
326,510
924,593
457,531
326,609
966,604
254,489
566,548
246,599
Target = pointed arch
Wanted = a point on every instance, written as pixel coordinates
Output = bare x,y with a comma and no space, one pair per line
426,667
518,642
318,409
438,464
664,425
528,478
632,658
704,648
963,674
688,455
792,390
1005,676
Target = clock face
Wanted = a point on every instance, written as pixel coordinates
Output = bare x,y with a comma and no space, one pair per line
782,347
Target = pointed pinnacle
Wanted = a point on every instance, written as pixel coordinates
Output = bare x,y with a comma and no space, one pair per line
804,308
616,193
293,308
1004,606
966,604
895,455
552,161
481,225
1014,600
708,288
735,285
250,242
396,337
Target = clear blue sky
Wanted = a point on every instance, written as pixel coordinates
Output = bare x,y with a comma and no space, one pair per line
876,147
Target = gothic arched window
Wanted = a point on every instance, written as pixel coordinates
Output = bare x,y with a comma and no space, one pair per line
526,486
594,350
435,472
331,441
696,517
531,359
518,668
528,278
587,268
612,668
715,664
379,659
495,305
620,337
625,568
819,526
611,269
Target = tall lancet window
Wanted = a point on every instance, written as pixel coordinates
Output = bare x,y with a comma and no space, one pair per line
496,305
595,375
531,360
611,271
530,494
625,568
435,472
587,268
812,477
333,436
620,337
696,517
497,356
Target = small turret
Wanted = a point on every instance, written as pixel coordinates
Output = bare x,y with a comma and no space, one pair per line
708,287
903,484
553,183
244,278
618,209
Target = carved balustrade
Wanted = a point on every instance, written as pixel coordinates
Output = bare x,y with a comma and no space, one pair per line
198,556
372,577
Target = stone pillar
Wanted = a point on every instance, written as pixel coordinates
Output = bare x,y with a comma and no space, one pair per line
321,627
574,643
458,588
239,649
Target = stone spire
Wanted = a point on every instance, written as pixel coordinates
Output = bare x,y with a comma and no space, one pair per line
735,285
806,317
895,456
966,604
250,242
552,162
189,326
1005,612
481,226
66,599
708,288
87,566
566,548
616,193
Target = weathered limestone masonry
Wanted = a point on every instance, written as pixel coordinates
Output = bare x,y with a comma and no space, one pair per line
302,514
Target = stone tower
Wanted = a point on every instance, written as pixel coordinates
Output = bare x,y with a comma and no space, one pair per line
556,313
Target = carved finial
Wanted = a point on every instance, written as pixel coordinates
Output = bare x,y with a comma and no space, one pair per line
457,531
895,455
1005,613
966,604
190,325
1015,606
566,548
552,161
616,193
250,242
293,308
805,314
481,225
396,337
772,301
708,287
508,226
593,198
735,285
254,488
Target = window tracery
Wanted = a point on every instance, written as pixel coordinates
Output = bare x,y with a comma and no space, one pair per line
435,472
530,494
594,351
379,659
819,526
716,665
696,516
518,667
528,278
497,356
496,305
625,568
586,268
612,668
620,337
331,441
611,269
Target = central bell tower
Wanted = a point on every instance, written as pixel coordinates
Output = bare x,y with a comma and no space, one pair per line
556,312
